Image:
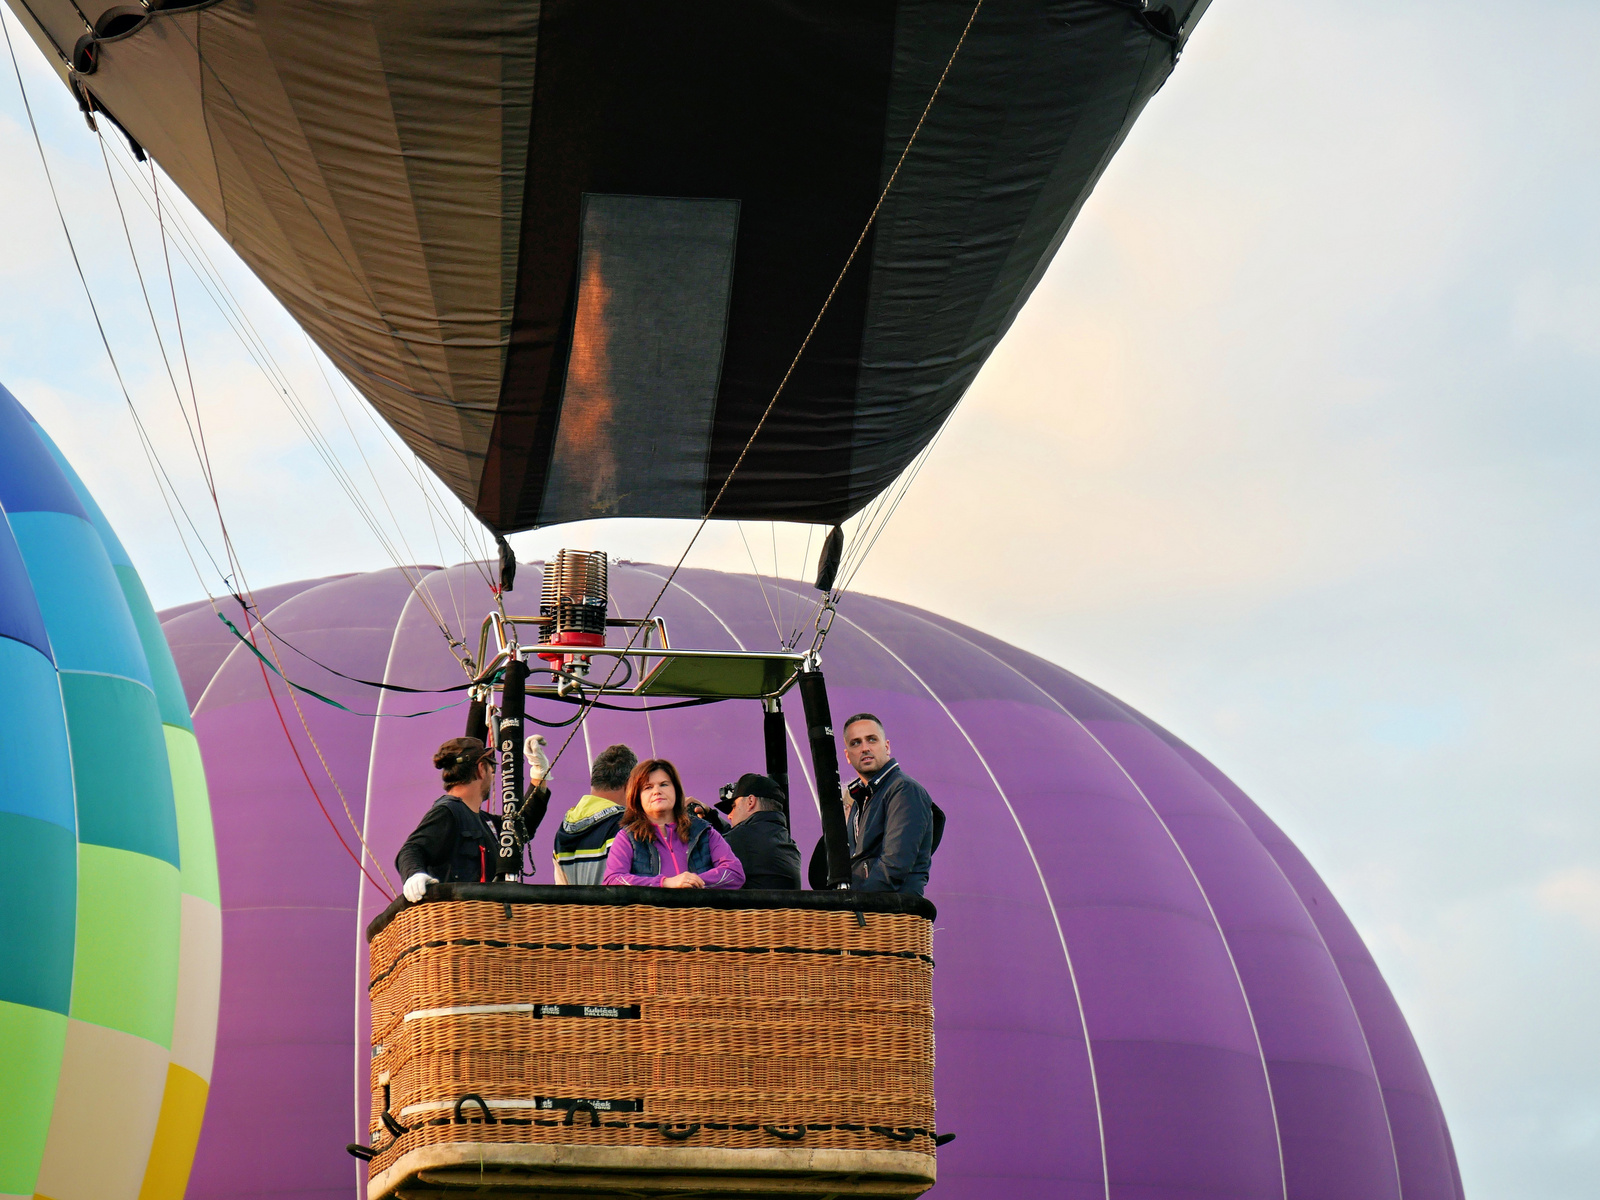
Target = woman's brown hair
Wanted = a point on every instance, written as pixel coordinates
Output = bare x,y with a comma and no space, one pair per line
634,819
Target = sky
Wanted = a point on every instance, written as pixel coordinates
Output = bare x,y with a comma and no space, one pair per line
1294,449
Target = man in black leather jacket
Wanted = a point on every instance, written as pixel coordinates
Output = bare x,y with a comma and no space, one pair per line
890,822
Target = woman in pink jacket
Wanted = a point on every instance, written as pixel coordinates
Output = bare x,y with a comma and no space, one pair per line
660,844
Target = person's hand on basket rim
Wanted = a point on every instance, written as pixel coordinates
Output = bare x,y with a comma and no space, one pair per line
686,880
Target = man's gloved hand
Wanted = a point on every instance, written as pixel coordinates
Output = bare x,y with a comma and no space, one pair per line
538,762
417,885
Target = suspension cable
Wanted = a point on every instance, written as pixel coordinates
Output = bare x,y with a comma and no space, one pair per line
128,398
777,626
236,317
203,451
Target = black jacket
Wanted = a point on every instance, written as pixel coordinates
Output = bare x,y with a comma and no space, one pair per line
766,851
453,844
891,833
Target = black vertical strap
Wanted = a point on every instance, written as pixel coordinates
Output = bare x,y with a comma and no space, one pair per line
478,720
513,697
777,739
825,761
508,563
828,563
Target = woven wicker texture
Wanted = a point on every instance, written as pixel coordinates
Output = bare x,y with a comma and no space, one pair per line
716,1021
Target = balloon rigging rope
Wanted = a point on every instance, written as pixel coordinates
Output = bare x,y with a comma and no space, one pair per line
436,612
158,469
869,525
869,534
873,521
477,556
149,308
761,582
151,455
202,451
778,391
255,346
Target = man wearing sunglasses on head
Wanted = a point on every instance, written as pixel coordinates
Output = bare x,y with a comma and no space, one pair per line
456,842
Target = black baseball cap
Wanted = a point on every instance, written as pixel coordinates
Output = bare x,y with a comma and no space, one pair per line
460,752
751,784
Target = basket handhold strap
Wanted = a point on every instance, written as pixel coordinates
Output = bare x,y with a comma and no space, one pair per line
898,1135
678,1135
389,1122
572,1113
488,1117
779,1132
368,1153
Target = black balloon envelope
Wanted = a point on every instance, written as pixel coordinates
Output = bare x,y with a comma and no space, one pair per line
569,249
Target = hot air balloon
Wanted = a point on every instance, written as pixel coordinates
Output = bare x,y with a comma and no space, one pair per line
110,926
569,250
1143,988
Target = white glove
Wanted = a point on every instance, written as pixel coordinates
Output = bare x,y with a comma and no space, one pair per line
538,762
417,885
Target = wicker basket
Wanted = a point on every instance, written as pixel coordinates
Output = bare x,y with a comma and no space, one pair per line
610,1041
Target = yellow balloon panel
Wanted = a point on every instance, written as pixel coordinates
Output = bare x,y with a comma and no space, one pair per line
183,1107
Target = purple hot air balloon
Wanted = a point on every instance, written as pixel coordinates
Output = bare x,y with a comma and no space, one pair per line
1143,992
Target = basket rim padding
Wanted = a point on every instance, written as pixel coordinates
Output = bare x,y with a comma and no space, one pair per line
712,898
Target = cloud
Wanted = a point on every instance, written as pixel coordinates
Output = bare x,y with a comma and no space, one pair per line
1574,893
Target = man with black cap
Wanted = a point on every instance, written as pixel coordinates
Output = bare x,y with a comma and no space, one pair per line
456,842
760,835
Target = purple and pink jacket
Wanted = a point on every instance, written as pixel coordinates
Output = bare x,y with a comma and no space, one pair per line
672,855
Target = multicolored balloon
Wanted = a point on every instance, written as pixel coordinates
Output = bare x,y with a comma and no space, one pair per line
1143,988
110,924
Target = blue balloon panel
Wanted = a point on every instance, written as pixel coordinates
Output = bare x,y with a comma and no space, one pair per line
20,618
29,481
79,595
35,762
